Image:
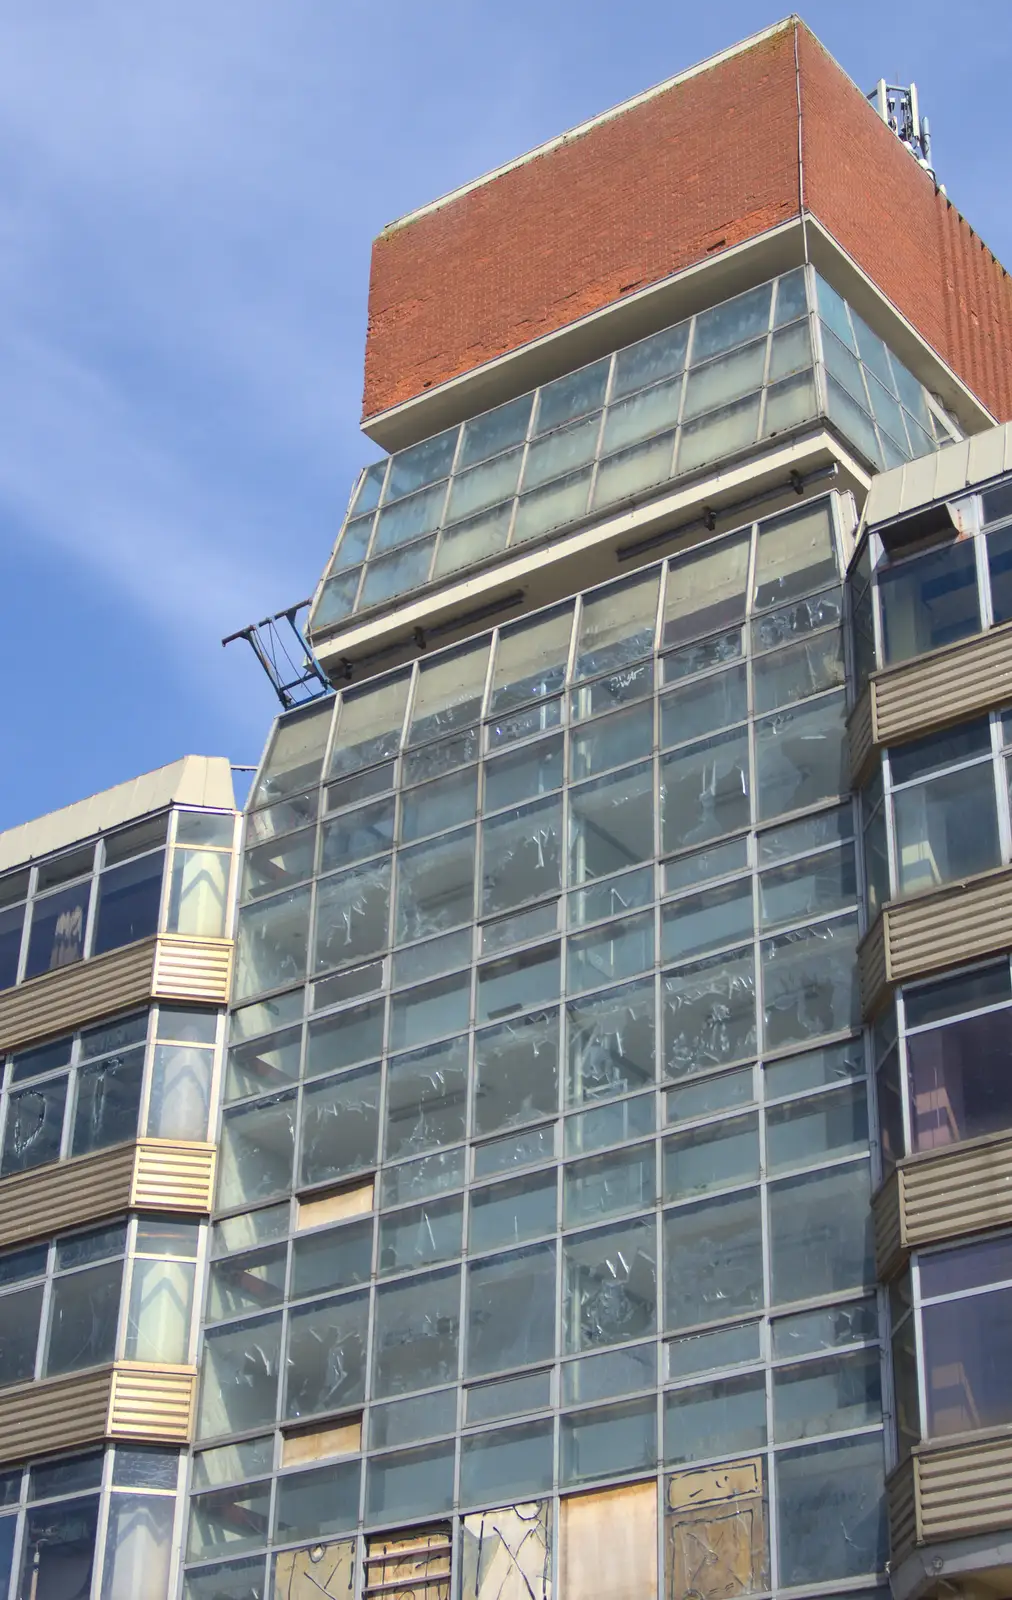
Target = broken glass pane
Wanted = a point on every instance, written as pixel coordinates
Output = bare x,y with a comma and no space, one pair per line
417,1180
617,625
257,1145
705,790
507,1555
34,1130
510,1310
801,670
530,661
295,756
448,693
715,1419
709,1013
611,1043
810,983
713,1259
325,1355
709,1352
108,1101
271,943
802,756
815,1069
435,886
228,1519
369,725
278,863
340,1123
831,1508
609,898
821,1233
513,1152
610,1286
516,1072
508,730
796,554
426,1099
508,1463
415,1333
352,915
246,1283
521,855
443,755
239,1377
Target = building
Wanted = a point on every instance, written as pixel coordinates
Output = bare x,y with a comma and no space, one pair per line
115,960
613,1140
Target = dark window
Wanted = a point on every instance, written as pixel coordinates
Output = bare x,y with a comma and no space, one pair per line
108,1100
11,923
59,1549
966,1365
58,925
128,899
960,1080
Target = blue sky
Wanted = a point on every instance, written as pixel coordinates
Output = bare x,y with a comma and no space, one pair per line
190,189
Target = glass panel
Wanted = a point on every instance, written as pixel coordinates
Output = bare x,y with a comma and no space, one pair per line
713,1260
20,1317
734,374
808,888
161,1305
815,1069
333,1259
715,1419
422,463
719,433
369,726
516,1072
138,1547
198,894
34,1128
611,823
796,554
448,693
611,1123
651,359
356,835
11,924
521,855
229,1580
246,1283
709,1013
649,412
613,1372
271,943
518,1150
706,590
709,1095
605,1185
435,886
602,1443
624,893
711,1158
312,1504
496,430
820,1233
352,915
108,1101
966,991
509,1213
424,1013
535,769
999,563
58,922
325,1355
705,790
562,451
415,1333
295,757
808,1131
609,953
484,486
559,502
831,1509
708,1352
799,671
277,863
257,1146
404,1421
510,1397
426,1099
83,1313
966,1369
704,865
967,1266
611,1043
612,741
929,601
701,922
530,661
428,1175
421,1235
609,1286
572,395
946,829
960,1081
810,982
413,1483
802,756
58,1549
432,958
437,806
829,1396
617,626
509,1464
731,322
704,706
511,1310
628,472
344,1039
811,1331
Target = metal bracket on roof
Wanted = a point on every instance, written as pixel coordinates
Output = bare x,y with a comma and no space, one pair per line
286,656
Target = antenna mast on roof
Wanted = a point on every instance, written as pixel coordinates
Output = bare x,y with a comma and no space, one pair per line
899,109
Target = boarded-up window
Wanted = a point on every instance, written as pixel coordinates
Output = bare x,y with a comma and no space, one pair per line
715,1544
609,1544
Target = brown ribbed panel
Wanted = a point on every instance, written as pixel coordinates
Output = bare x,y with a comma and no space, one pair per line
151,1402
943,687
193,969
861,737
963,1489
34,1204
71,996
171,1175
887,1216
54,1414
872,967
948,926
901,1500
952,1192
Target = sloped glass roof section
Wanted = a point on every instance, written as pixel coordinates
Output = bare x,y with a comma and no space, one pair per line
617,431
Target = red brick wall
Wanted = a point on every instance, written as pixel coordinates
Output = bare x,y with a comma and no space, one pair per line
908,238
704,165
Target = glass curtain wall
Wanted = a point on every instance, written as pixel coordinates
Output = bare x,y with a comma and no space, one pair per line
545,1157
618,430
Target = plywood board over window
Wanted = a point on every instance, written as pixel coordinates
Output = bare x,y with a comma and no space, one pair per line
609,1544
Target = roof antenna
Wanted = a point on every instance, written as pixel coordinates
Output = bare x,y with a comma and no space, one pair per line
899,108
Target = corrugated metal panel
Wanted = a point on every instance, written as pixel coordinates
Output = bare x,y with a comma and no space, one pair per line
33,1204
151,1402
71,996
193,969
901,1499
943,687
887,1219
964,1489
872,966
949,926
55,1414
171,1175
948,1193
861,737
